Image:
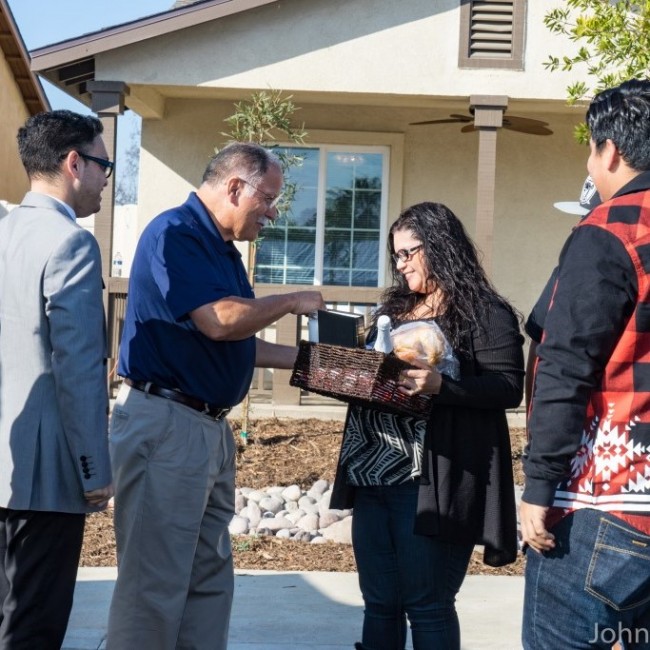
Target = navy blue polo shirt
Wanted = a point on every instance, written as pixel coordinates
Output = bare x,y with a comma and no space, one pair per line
181,263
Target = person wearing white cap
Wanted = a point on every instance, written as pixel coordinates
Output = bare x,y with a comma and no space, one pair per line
589,199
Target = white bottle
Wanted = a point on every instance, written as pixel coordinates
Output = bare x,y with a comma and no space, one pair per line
383,342
312,327
117,265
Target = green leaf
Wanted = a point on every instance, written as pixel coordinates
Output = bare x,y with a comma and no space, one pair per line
613,38
581,133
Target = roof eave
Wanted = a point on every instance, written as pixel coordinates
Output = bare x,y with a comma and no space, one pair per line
87,46
20,66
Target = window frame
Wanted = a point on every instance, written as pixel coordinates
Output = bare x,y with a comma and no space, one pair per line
391,146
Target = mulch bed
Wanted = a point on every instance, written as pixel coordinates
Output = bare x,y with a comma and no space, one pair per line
285,452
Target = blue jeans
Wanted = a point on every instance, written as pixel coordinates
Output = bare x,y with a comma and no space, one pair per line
592,589
402,574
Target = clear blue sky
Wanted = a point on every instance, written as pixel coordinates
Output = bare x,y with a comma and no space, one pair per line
43,22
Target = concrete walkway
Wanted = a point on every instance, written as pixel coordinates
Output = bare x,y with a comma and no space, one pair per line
310,610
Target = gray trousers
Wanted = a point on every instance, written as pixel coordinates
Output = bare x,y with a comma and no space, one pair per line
174,475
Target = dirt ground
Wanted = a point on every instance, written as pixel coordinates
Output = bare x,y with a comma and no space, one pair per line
284,452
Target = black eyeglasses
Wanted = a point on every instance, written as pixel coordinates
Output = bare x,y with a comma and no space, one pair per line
102,162
271,201
405,254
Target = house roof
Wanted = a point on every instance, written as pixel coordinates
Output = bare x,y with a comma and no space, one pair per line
17,57
70,64
184,3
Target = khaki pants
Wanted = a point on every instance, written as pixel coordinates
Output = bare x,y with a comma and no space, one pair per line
174,474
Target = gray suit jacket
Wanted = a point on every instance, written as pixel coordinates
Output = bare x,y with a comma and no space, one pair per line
53,393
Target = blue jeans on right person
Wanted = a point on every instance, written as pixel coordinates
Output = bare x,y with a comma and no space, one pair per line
402,574
592,590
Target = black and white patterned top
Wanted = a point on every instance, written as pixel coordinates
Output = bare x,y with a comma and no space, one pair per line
382,448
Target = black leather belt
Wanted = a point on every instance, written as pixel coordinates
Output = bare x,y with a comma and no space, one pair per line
216,412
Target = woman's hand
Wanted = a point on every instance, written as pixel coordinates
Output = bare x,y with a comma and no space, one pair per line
421,381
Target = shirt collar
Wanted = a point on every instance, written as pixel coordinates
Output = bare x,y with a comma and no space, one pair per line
70,212
203,217
639,183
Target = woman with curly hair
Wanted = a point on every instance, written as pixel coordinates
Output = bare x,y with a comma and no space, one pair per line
425,491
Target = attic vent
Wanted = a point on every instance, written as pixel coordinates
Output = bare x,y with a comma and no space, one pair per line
492,33
491,29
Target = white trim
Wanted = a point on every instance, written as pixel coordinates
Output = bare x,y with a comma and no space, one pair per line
390,146
603,498
321,197
614,503
614,507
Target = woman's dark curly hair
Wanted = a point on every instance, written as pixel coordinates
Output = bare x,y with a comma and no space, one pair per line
453,265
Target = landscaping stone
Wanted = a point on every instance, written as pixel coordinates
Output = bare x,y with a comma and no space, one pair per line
292,513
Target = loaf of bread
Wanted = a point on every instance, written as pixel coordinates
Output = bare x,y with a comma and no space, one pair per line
419,341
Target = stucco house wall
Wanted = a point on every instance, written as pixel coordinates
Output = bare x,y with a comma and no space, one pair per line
362,71
438,163
368,67
338,46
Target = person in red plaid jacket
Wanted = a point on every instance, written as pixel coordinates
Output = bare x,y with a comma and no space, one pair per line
585,512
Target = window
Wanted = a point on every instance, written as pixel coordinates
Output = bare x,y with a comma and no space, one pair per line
335,231
492,34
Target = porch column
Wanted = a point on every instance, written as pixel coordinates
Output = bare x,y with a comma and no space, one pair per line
488,117
107,101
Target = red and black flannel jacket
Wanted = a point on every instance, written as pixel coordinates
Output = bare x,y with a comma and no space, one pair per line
590,417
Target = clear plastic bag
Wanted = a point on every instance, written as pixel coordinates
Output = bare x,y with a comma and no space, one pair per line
424,341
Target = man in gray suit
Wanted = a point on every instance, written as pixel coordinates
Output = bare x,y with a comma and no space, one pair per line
53,397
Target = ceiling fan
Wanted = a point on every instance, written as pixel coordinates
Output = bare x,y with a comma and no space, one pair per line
512,123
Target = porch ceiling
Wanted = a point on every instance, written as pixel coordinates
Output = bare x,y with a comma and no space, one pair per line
148,100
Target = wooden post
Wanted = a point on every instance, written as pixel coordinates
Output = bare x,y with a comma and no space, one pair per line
488,117
108,102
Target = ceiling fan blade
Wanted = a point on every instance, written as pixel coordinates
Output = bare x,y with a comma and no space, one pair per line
510,122
517,120
526,125
531,130
442,121
454,117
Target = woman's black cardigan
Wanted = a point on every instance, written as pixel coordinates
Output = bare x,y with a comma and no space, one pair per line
466,489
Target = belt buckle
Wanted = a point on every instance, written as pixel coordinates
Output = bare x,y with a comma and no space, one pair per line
222,414
218,415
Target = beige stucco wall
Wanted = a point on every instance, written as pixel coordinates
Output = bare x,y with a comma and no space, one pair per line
532,173
433,163
362,72
367,46
13,180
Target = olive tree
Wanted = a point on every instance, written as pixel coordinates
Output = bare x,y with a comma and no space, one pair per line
614,45
266,119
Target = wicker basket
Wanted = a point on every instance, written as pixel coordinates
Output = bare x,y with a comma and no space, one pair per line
356,376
